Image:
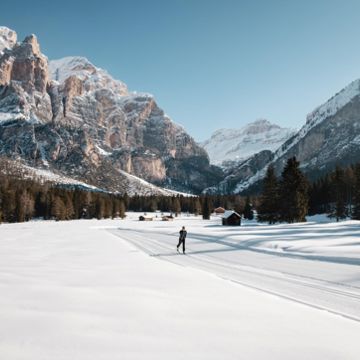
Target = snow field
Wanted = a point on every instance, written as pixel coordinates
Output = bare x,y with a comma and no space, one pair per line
73,290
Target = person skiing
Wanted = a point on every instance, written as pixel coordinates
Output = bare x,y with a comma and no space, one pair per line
182,238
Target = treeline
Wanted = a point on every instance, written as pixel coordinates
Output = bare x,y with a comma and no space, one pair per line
22,200
288,198
337,194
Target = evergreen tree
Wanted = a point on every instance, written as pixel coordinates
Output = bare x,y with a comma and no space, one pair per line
268,209
293,193
26,205
118,208
99,207
238,204
9,204
206,207
122,208
176,206
108,208
69,208
248,210
58,210
356,201
338,209
42,206
197,206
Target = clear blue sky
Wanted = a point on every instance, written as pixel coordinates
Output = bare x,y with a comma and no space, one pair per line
210,63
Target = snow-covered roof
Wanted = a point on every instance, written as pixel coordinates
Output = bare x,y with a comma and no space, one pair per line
228,213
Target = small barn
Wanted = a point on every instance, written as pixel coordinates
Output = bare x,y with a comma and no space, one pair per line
145,218
231,217
219,210
167,218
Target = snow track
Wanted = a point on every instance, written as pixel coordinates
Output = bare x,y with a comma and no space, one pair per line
73,290
312,281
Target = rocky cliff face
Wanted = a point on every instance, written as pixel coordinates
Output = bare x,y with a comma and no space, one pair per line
330,136
72,117
23,82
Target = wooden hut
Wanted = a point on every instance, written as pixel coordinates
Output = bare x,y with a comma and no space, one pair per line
145,218
167,218
219,210
231,217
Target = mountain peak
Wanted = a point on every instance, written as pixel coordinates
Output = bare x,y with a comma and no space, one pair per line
239,144
33,42
8,38
62,68
82,68
260,126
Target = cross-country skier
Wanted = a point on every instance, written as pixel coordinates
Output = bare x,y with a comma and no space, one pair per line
182,238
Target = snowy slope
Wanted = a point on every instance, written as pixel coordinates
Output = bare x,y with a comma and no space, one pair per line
134,185
73,290
240,144
324,137
322,112
92,76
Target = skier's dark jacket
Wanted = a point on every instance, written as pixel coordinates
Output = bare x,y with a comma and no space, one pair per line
183,234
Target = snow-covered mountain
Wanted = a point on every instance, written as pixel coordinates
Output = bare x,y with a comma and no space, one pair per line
91,76
72,118
237,145
330,136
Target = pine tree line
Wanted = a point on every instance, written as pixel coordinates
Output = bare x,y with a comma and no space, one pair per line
23,200
292,197
286,199
337,194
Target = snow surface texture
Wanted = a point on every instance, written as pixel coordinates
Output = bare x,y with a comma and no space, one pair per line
240,144
73,290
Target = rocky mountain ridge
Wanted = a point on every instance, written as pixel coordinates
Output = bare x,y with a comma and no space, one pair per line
330,136
70,117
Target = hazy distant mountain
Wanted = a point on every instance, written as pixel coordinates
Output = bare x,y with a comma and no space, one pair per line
237,145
